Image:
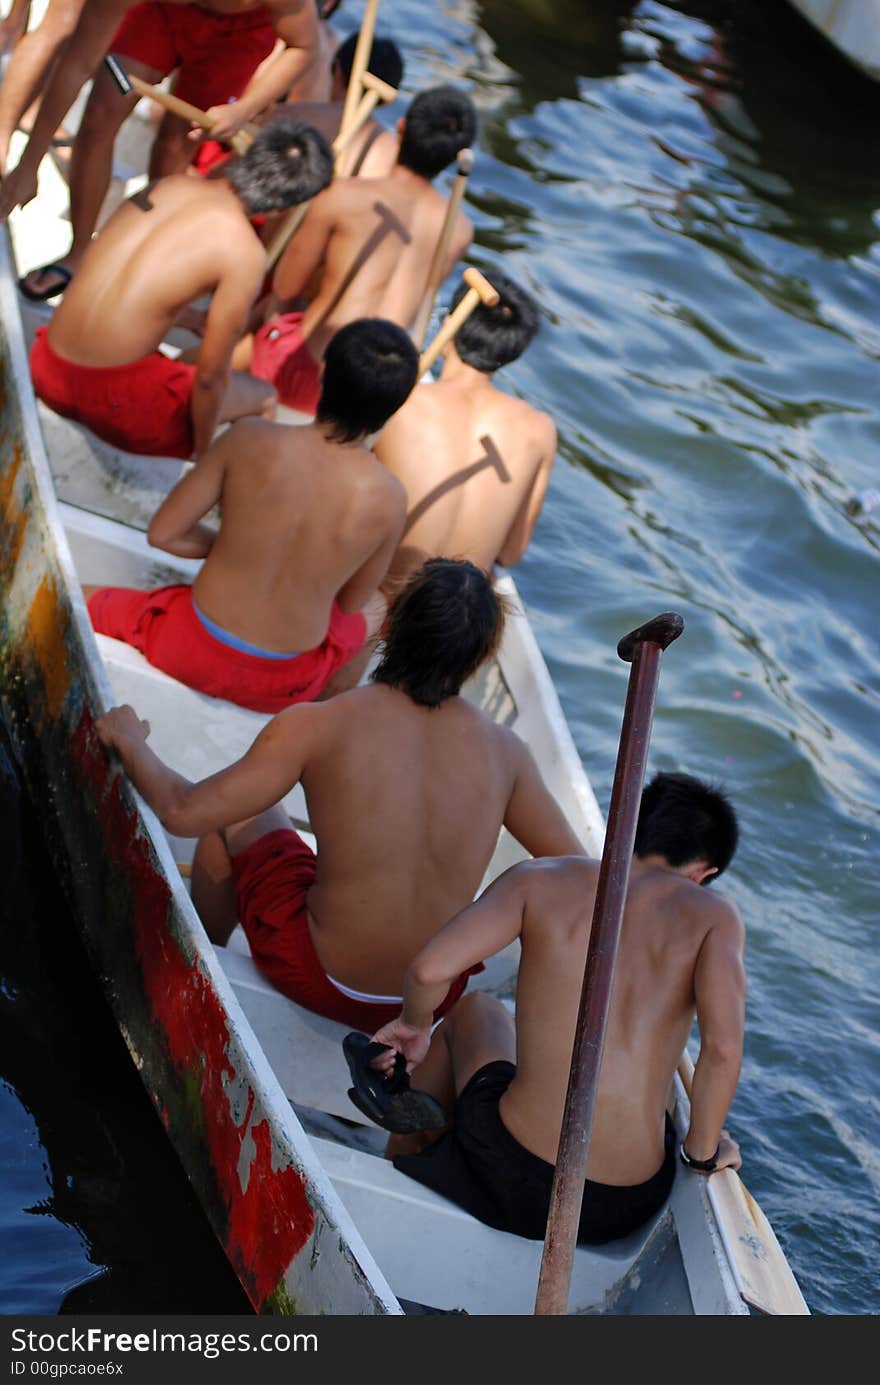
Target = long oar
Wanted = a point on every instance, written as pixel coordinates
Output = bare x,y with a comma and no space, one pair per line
240,142
375,91
359,64
479,291
763,1275
643,647
435,273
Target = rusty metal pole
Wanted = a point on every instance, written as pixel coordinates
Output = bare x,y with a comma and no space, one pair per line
643,648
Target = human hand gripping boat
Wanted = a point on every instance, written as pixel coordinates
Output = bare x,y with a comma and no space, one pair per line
252,1089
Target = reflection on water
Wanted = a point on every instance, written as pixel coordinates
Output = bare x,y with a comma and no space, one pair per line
692,191
96,1214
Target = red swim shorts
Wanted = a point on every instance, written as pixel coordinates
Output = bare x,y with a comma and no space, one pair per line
141,407
283,358
164,627
214,55
272,879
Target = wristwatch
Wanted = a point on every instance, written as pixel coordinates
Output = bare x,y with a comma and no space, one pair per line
702,1165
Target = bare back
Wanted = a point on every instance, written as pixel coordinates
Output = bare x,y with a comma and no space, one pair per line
372,152
301,520
474,463
180,238
373,240
406,803
666,923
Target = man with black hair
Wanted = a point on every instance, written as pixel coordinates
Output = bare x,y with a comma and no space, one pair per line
503,1082
287,594
372,240
373,151
407,786
474,462
98,361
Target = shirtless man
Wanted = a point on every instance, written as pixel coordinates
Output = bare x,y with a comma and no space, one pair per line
504,1083
310,520
477,490
373,240
373,151
98,361
214,46
407,787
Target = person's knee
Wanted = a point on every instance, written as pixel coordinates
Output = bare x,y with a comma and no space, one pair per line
62,19
103,115
269,406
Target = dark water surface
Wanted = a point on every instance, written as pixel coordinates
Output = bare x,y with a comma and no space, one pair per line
692,189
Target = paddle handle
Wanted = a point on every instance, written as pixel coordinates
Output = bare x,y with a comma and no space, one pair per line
375,91
589,1040
127,82
441,250
359,65
479,291
288,228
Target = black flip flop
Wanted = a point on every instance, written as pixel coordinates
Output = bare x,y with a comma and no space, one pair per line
388,1100
41,295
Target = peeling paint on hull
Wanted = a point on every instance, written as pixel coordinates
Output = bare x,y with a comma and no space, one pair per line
234,1133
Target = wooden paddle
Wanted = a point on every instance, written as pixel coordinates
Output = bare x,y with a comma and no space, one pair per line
435,273
360,63
762,1273
479,291
643,647
376,91
240,142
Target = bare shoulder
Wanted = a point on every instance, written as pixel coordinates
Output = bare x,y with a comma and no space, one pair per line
717,913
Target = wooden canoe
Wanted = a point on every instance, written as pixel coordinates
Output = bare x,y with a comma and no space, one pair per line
249,1087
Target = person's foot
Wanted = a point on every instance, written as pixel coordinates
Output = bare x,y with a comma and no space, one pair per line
46,282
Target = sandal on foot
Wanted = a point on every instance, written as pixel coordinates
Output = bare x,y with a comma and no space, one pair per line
41,295
388,1099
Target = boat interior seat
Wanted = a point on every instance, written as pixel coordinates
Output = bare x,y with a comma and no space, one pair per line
304,1049
431,1250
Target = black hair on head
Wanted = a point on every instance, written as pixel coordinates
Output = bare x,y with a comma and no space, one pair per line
385,62
444,624
327,7
438,124
289,162
685,820
370,368
492,337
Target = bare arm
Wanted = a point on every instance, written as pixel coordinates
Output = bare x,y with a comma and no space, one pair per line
227,318
533,816
296,22
359,588
305,251
260,779
90,41
477,932
176,526
523,526
720,987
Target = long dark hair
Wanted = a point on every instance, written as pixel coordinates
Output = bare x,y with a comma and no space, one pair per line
444,624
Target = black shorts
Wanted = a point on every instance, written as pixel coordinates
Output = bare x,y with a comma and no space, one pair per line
481,1167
